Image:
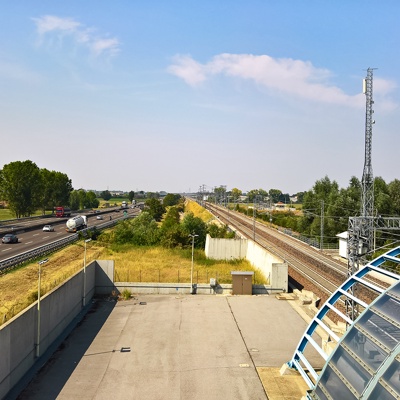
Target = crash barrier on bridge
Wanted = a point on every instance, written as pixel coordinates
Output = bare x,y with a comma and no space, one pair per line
25,338
273,267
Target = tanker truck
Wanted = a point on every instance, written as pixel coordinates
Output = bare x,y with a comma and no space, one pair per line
76,223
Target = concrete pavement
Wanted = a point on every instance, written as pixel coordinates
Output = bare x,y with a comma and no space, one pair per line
175,347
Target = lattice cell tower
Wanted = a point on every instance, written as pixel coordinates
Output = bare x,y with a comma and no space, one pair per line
367,200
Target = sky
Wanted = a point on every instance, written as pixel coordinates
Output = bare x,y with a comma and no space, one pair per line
177,95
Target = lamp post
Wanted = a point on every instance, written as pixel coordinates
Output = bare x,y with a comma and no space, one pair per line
193,235
84,274
38,307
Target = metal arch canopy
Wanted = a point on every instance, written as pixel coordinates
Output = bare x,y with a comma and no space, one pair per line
375,320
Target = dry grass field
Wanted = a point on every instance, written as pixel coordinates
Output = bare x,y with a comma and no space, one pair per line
19,288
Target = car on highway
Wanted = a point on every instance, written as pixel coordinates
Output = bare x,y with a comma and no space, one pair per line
99,217
48,228
9,238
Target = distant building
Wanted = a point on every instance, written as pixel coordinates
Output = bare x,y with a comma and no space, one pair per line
279,206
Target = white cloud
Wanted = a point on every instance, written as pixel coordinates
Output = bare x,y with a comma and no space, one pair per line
285,75
102,45
49,25
189,70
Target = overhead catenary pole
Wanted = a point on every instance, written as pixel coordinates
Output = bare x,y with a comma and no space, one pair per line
321,243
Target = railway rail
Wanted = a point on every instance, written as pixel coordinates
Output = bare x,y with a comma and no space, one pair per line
309,268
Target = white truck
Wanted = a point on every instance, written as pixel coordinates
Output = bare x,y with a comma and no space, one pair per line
124,204
76,223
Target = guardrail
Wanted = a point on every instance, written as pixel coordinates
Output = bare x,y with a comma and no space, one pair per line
51,247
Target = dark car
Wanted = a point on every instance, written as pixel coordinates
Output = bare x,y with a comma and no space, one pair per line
9,238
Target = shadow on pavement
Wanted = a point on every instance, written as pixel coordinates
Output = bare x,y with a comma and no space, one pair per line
61,364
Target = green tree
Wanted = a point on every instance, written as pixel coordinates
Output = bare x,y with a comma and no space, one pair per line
274,195
82,199
74,200
171,218
145,230
171,199
382,199
56,189
105,195
155,208
141,231
217,231
131,195
394,191
194,225
20,186
91,200
236,193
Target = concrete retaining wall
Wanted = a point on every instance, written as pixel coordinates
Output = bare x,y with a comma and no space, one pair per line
273,267
19,336
225,249
137,288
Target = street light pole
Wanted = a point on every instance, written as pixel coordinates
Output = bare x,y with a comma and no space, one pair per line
38,307
84,274
193,235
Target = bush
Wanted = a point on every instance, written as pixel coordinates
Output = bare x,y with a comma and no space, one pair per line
126,294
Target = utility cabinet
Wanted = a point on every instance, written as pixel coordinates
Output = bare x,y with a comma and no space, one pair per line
242,282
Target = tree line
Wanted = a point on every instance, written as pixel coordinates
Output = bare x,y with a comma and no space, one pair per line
326,201
167,224
27,188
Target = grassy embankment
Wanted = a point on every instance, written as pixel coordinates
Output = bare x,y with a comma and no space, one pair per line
18,288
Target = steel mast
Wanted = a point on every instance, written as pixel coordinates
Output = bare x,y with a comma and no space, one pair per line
367,200
361,229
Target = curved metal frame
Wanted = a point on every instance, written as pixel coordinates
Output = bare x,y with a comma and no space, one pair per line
344,290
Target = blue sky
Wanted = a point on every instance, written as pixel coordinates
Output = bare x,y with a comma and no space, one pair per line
173,95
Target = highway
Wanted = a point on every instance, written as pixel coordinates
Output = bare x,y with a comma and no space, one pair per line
30,232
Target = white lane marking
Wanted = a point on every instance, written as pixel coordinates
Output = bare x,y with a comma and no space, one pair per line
8,248
29,242
45,237
35,234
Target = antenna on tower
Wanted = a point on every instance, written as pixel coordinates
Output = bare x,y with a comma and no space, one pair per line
367,200
361,229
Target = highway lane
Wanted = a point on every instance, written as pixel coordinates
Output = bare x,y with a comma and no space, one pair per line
31,238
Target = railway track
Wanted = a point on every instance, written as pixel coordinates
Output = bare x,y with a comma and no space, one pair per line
309,268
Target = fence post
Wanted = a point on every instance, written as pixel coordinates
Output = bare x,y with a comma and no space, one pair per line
178,275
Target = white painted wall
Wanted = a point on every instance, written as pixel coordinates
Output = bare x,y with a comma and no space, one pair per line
273,267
